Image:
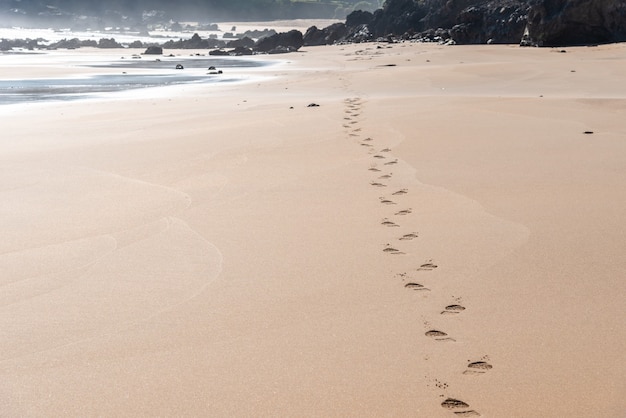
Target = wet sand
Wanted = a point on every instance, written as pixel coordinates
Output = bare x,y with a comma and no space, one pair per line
438,238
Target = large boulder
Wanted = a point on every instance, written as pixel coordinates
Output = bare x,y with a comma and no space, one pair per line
327,36
291,40
501,22
576,22
154,50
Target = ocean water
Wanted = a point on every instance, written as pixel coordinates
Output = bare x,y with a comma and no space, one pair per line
105,73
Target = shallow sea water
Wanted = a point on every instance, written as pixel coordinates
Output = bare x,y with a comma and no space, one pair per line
134,73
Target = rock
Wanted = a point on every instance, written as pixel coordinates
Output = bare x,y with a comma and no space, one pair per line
240,50
179,67
108,43
218,52
242,42
154,50
292,40
576,22
326,36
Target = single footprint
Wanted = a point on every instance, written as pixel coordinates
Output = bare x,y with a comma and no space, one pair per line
365,145
368,139
452,310
391,250
386,201
415,286
478,367
451,403
399,192
379,156
427,266
408,237
373,183
385,176
392,162
389,223
404,212
385,150
373,169
438,335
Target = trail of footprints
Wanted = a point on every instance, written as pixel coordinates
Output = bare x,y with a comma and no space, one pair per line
380,166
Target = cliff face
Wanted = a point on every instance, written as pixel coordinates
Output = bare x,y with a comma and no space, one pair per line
534,22
576,22
466,21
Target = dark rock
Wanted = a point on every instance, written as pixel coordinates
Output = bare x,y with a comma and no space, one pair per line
154,50
576,22
313,105
326,36
245,42
179,67
218,52
359,17
258,33
240,50
108,43
292,40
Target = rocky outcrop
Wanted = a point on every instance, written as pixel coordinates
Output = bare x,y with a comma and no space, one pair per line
327,36
493,22
465,21
154,50
576,22
280,42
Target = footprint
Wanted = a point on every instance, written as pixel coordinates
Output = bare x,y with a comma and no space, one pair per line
373,169
478,367
385,176
404,212
389,223
356,130
415,286
408,237
438,335
373,183
391,250
368,139
379,156
451,403
386,201
399,192
452,310
366,145
385,150
427,266
392,162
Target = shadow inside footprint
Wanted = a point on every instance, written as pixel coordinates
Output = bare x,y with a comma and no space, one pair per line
387,222
451,403
470,413
478,367
452,309
415,286
427,267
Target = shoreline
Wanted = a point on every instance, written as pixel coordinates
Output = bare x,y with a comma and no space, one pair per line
434,237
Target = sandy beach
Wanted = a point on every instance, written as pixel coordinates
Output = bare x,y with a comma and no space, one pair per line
443,235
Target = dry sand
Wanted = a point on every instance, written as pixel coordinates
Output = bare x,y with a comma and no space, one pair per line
216,253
